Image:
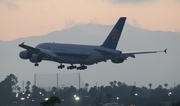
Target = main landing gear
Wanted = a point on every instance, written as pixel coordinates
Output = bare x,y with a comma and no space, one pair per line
61,66
71,67
81,67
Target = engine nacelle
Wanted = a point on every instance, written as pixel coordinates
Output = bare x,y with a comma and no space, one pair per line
117,60
35,58
25,55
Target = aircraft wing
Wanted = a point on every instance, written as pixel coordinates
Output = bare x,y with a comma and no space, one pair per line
34,50
126,55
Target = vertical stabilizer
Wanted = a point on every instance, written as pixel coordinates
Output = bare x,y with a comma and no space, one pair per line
113,37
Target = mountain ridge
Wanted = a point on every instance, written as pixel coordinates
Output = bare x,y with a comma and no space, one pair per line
95,27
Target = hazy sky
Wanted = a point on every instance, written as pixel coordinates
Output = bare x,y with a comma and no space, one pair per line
23,18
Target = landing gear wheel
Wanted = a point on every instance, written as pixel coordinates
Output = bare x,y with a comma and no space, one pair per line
36,64
71,67
61,66
82,67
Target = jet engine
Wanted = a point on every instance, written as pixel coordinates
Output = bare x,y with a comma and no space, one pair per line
117,60
25,55
35,58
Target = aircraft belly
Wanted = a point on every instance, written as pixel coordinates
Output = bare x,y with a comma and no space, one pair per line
72,60
52,59
94,59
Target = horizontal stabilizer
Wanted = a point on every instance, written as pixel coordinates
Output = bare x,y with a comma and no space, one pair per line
165,51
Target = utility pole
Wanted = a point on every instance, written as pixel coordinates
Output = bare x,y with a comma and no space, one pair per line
57,83
35,79
79,80
23,85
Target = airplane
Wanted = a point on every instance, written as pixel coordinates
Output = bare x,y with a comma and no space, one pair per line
81,54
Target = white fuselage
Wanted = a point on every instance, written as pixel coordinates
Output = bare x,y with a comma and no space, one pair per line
78,54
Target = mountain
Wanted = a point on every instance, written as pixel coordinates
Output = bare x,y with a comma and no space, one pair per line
152,68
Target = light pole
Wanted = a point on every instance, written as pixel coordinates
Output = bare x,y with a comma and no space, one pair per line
136,94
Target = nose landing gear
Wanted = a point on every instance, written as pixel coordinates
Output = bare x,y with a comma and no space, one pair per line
36,64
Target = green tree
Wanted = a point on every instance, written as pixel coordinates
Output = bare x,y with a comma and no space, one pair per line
37,93
176,104
165,85
109,96
27,87
119,83
54,89
28,83
18,88
86,85
111,83
115,82
150,85
6,88
133,91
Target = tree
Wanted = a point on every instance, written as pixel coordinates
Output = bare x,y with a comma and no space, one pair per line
159,91
111,83
27,87
150,85
176,104
109,96
86,85
119,83
54,89
18,88
115,82
166,85
28,83
6,88
159,87
37,93
133,91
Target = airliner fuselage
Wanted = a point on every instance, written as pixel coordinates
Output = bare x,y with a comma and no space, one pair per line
78,54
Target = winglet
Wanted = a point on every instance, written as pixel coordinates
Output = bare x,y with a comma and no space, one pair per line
21,44
165,51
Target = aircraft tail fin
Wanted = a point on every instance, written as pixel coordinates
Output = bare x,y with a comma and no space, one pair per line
113,37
